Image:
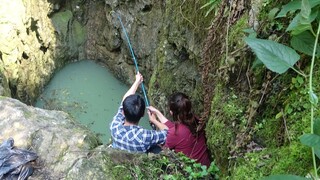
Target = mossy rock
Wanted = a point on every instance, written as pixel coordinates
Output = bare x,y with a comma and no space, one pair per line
292,159
79,33
60,21
222,126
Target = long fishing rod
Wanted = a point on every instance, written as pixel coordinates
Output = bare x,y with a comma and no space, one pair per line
135,63
133,57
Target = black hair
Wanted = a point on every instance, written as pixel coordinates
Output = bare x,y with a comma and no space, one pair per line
133,108
181,108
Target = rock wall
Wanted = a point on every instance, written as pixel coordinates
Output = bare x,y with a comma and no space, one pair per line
107,42
168,52
37,37
43,36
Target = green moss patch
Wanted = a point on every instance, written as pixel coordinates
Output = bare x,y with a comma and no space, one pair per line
226,113
292,159
79,33
61,20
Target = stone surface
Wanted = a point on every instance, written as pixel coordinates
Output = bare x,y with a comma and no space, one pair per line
4,86
65,149
33,43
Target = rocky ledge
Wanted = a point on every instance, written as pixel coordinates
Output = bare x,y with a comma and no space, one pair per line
65,148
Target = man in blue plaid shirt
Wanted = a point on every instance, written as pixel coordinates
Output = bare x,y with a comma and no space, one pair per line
125,132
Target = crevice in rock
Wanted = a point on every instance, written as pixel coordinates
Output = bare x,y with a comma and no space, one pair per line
28,31
183,54
13,89
43,49
57,6
180,53
116,50
147,8
34,28
24,55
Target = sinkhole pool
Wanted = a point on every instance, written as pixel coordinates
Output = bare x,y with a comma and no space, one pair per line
89,93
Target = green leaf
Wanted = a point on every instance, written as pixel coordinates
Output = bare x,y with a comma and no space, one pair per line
313,98
272,13
317,152
203,173
311,140
316,126
211,8
256,63
279,115
284,177
299,25
300,80
207,4
295,5
305,9
188,169
252,33
301,28
304,43
276,57
294,23
291,6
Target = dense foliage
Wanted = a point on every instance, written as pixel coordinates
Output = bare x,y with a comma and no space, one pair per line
279,58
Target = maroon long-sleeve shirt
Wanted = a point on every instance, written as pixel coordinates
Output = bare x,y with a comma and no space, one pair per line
180,139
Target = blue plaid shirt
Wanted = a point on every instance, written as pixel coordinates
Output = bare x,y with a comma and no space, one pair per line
133,138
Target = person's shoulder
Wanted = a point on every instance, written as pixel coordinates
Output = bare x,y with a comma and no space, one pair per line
169,123
181,130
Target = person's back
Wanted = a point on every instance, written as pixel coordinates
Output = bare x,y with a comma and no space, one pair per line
183,135
180,139
133,138
125,132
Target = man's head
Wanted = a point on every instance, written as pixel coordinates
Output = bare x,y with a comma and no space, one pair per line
133,108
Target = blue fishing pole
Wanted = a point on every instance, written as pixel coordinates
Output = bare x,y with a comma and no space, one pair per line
135,63
134,59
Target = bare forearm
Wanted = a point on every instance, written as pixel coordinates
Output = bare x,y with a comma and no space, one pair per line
161,117
132,89
160,125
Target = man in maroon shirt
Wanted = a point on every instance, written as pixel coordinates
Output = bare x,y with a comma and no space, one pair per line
183,135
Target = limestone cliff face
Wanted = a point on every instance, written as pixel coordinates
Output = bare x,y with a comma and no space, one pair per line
42,36
37,37
167,50
106,41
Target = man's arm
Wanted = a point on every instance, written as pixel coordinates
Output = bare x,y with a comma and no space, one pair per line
119,117
134,86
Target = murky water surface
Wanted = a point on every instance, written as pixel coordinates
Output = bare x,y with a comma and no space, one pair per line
89,93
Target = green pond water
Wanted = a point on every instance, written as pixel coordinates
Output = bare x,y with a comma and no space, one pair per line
89,93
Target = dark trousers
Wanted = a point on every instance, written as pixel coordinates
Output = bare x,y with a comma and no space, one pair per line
155,149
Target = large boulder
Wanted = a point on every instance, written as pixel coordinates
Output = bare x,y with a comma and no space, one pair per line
65,148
